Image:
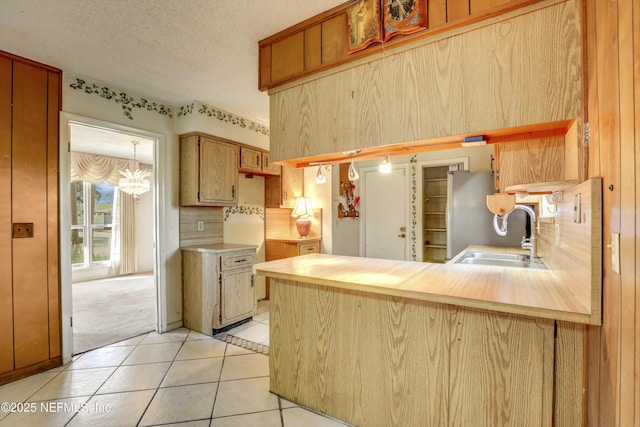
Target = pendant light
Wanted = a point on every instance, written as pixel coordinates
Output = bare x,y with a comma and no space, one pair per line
385,166
320,177
134,183
353,173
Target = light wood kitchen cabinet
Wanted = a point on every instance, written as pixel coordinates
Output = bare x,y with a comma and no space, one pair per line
208,171
473,367
268,167
278,249
286,248
250,160
510,358
30,103
356,106
218,286
283,190
257,162
524,162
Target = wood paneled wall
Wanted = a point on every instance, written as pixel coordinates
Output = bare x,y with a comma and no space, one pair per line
30,102
613,57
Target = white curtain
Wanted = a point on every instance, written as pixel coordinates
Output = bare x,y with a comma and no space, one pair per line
127,234
94,168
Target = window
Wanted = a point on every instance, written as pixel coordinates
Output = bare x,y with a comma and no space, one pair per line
91,223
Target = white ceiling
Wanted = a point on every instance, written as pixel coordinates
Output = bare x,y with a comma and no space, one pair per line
173,51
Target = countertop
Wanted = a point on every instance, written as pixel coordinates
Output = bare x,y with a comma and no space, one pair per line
218,247
530,292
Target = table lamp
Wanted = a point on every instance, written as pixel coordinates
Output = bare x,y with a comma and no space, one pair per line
303,212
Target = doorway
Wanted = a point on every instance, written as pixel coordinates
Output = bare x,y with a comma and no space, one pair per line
385,213
111,285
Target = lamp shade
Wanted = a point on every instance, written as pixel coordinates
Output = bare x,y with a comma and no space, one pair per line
303,208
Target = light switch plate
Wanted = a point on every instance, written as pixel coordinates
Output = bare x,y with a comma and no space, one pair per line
200,225
615,252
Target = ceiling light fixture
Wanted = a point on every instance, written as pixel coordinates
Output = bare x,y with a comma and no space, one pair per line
320,177
134,183
385,166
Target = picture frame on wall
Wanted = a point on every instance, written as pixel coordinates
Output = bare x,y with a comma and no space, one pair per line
403,17
364,24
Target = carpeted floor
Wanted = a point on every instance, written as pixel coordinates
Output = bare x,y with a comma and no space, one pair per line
110,310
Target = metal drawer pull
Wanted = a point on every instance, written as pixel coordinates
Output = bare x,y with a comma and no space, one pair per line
241,260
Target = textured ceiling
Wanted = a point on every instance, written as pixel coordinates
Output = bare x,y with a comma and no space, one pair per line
173,51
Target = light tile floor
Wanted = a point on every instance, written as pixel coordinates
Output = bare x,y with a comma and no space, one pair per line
180,378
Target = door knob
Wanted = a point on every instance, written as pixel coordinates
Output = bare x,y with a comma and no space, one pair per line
402,235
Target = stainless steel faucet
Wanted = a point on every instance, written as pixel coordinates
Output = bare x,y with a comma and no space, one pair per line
527,243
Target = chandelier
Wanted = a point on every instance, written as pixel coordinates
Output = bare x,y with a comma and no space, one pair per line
134,182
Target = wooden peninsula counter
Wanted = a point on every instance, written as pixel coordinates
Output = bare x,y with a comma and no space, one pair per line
395,343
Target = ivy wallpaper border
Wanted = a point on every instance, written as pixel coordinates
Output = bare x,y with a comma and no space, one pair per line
226,117
414,208
127,102
243,210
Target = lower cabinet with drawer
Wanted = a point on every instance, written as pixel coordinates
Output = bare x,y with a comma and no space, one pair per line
287,248
218,286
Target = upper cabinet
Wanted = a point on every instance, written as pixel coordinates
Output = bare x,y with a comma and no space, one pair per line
538,160
253,160
515,71
208,171
323,41
283,190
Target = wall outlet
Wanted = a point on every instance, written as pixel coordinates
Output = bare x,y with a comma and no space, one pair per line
557,235
200,225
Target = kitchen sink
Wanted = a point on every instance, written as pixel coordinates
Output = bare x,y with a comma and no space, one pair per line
499,259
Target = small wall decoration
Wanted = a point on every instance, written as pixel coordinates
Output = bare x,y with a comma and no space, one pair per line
375,21
347,189
403,17
364,24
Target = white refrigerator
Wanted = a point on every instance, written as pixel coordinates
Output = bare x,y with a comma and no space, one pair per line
469,221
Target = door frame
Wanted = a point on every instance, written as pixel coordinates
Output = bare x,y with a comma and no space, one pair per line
160,287
363,204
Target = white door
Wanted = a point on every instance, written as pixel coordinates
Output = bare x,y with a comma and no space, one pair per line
385,216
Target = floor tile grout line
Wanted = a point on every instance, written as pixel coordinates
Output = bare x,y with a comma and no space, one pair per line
155,393
116,368
101,385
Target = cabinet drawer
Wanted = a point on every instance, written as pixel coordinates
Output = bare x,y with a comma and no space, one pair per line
309,248
237,260
250,160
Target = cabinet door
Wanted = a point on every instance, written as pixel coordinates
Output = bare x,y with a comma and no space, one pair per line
238,296
250,160
526,162
218,173
292,185
269,167
507,359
